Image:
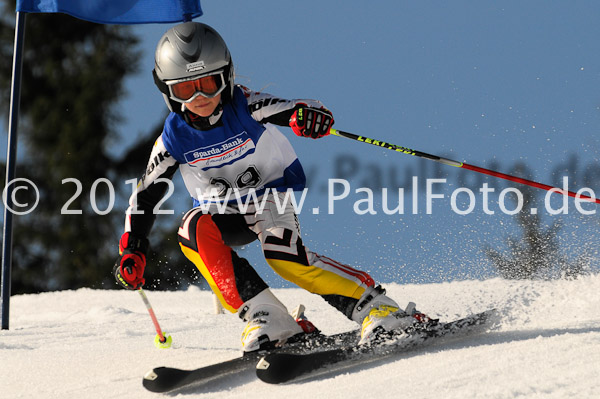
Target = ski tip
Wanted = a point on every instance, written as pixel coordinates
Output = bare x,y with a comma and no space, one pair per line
150,375
150,380
277,368
163,379
492,317
263,364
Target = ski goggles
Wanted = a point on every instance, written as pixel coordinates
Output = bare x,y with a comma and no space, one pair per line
186,90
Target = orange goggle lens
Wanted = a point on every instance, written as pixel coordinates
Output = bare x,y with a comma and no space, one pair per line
207,85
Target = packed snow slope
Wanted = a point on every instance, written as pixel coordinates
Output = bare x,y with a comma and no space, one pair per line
98,344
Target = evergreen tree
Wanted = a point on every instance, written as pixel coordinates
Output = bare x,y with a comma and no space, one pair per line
73,77
536,253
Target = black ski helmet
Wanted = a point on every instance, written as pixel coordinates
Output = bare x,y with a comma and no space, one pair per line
187,51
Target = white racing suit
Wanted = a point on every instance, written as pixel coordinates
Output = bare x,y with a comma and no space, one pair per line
239,148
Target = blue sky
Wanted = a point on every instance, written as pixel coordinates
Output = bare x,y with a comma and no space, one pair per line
488,83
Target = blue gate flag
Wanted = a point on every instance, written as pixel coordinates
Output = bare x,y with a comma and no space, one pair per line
120,12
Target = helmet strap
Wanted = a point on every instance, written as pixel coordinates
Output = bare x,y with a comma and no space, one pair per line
162,86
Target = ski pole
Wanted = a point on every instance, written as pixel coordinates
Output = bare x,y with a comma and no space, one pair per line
162,341
462,165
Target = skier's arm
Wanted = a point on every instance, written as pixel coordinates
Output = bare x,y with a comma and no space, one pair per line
140,216
308,118
150,190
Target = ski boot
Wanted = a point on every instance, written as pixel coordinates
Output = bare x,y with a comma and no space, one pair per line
269,323
381,317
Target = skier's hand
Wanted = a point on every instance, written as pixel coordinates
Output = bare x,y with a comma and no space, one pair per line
129,268
311,122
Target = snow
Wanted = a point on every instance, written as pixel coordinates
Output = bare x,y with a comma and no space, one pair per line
99,343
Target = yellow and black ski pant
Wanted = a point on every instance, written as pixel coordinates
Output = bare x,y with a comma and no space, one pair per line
207,240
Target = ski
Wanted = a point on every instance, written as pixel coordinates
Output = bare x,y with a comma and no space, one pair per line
166,379
281,367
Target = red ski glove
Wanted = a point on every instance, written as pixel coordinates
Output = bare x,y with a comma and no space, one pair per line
311,122
129,268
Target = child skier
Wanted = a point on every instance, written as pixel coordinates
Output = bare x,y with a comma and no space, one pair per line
222,137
